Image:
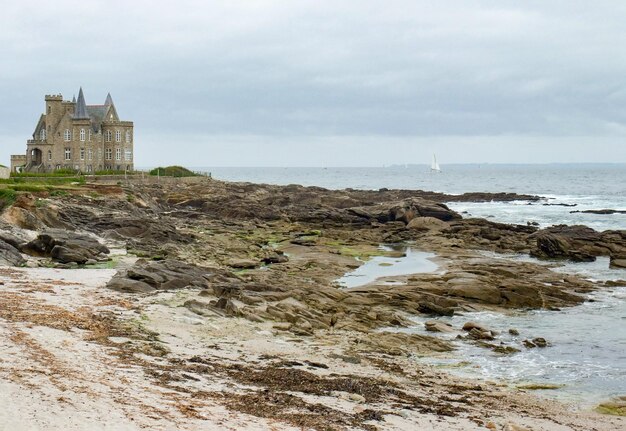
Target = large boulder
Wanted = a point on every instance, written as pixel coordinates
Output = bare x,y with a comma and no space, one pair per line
9,255
405,211
427,224
148,276
65,246
578,243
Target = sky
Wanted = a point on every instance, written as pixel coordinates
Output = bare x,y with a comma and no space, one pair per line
328,83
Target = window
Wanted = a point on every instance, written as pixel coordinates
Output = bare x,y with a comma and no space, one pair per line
107,153
108,136
42,134
118,136
89,168
128,155
82,154
68,153
118,154
49,109
90,154
128,136
82,135
49,155
89,135
67,135
99,153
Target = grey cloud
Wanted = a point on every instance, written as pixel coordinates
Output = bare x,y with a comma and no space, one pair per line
319,73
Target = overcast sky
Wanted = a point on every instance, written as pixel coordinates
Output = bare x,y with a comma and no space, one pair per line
328,83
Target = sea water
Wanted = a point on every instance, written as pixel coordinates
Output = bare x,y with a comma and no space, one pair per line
587,352
582,186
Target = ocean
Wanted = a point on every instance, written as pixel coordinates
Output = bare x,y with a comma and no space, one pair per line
583,186
587,359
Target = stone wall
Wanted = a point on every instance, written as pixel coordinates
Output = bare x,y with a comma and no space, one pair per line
4,172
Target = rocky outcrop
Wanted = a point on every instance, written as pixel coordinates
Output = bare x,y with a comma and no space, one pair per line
149,276
65,247
405,211
578,243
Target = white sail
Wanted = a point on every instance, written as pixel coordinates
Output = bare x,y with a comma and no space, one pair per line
434,166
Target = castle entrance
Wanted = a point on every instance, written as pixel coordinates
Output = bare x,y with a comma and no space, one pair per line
36,156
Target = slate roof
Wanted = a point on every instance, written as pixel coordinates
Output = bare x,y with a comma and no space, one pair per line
80,112
97,114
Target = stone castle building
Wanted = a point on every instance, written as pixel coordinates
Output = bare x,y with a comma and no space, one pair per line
77,136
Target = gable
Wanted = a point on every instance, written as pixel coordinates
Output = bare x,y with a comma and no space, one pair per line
111,114
40,124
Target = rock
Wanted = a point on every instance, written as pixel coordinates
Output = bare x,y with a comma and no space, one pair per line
427,224
9,255
505,350
540,342
356,398
431,308
242,263
405,211
529,344
513,332
160,275
618,262
11,239
129,286
65,246
468,326
437,326
66,255
481,292
477,334
615,407
275,257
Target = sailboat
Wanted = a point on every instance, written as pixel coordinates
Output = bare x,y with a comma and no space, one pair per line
434,166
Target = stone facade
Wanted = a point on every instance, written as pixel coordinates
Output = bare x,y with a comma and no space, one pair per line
77,136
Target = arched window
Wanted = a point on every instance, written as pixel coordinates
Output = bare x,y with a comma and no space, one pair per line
42,134
67,135
82,135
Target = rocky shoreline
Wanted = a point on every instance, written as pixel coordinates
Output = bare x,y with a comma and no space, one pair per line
220,303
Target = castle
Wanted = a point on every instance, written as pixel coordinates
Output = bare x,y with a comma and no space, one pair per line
74,135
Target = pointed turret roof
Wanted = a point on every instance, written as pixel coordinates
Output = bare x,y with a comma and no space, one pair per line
80,112
109,100
74,99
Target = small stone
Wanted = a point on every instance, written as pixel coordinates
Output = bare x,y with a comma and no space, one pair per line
438,326
473,325
491,426
356,398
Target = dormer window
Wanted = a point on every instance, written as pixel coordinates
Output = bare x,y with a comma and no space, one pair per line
82,135
42,134
67,135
